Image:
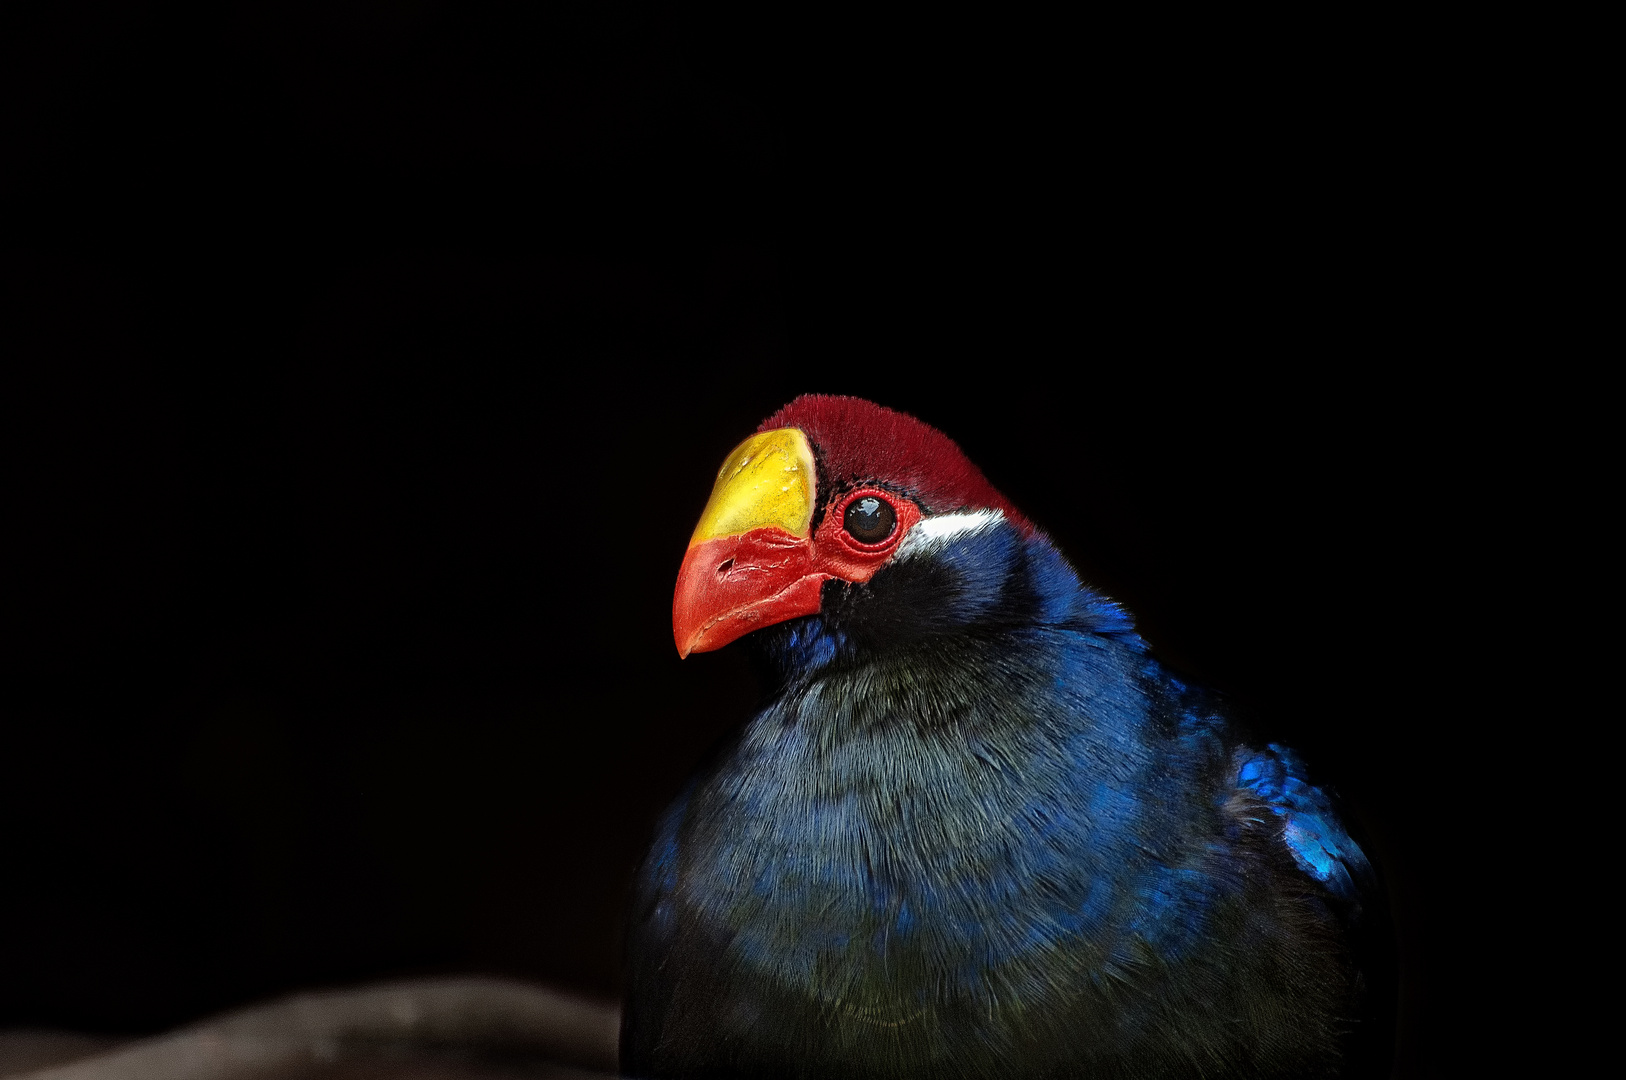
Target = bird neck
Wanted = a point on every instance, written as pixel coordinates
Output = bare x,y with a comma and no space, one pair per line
962,605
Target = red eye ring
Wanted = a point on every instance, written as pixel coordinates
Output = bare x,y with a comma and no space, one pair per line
839,553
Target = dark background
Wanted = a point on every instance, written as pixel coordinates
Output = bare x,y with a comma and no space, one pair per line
370,363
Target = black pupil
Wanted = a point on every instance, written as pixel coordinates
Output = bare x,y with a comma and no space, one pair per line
870,520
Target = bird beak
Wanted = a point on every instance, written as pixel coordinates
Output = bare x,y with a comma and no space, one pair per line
750,561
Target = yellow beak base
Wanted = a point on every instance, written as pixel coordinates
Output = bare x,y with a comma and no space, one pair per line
766,481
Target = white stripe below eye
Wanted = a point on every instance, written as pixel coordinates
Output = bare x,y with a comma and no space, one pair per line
935,533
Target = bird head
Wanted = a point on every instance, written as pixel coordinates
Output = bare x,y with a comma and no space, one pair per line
829,490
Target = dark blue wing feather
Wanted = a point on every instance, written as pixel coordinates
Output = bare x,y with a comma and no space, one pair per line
1311,828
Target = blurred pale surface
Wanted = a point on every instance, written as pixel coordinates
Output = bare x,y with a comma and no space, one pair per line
443,1029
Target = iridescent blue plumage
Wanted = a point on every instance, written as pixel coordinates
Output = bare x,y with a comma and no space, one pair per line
979,831
1310,826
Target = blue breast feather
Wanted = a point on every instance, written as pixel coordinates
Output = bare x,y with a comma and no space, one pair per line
1078,841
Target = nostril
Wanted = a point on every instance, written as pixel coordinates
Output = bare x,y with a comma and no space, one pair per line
727,565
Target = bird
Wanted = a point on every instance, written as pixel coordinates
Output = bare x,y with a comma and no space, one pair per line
976,827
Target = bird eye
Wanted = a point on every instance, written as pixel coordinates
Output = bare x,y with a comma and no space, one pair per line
870,519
